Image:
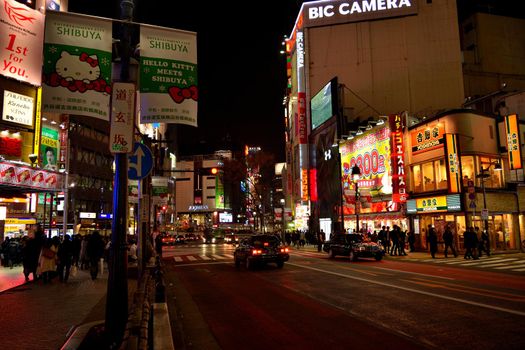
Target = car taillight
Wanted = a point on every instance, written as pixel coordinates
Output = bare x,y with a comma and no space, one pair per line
284,250
256,251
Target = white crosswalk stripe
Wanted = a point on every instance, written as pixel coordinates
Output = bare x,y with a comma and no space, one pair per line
198,257
177,258
501,263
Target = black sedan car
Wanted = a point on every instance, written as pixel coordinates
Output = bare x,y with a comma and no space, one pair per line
353,246
259,250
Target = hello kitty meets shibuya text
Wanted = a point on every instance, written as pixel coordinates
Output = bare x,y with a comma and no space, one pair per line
77,65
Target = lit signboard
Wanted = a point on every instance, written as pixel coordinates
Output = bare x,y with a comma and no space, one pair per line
225,217
399,194
434,204
87,215
453,163
371,153
320,13
428,138
513,141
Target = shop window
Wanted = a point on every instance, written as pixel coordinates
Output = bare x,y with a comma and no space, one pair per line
429,180
495,178
416,171
467,169
441,174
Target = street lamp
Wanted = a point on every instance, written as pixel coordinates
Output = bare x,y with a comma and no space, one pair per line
483,175
356,174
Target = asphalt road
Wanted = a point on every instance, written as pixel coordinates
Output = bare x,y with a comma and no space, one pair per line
315,302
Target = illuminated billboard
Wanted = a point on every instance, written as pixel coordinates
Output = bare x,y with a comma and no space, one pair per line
324,104
371,153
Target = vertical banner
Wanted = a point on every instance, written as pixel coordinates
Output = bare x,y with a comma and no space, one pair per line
21,41
453,160
168,76
77,65
219,192
63,156
513,142
50,148
122,117
399,194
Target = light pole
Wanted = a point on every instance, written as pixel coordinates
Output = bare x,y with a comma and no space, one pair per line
282,207
483,175
356,174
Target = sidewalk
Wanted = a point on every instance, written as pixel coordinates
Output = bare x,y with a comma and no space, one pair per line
419,255
41,316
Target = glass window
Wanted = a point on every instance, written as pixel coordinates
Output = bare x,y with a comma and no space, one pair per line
467,169
416,171
429,181
495,178
441,174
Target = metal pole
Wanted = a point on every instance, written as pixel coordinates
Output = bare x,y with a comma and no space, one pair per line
117,291
484,198
356,206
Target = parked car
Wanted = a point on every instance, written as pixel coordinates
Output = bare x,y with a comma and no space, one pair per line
180,239
259,250
353,246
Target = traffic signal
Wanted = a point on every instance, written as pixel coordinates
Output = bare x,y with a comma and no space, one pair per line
209,171
54,223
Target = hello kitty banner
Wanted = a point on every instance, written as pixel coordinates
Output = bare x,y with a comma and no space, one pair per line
77,65
168,76
21,40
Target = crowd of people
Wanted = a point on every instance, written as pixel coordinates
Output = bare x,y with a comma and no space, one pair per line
396,241
46,258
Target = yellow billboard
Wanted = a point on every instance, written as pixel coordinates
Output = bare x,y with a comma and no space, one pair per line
513,141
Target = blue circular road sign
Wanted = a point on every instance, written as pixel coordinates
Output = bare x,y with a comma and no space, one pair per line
140,162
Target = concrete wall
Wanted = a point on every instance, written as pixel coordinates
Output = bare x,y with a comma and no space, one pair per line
410,63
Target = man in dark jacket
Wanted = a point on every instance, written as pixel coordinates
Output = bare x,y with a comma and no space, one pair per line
94,251
448,238
65,257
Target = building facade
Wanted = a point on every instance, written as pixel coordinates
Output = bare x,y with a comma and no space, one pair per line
418,61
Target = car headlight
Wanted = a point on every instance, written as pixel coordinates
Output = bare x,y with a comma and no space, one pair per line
213,240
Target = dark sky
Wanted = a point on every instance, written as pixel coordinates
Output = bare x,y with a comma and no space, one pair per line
242,76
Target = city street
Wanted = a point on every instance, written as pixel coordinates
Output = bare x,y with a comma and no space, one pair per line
315,302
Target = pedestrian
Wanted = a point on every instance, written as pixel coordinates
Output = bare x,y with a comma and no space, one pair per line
30,254
470,241
448,238
432,240
412,241
65,258
320,240
402,241
77,247
394,236
47,260
158,245
94,251
84,259
483,245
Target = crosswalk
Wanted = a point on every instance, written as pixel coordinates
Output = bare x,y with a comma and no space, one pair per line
499,263
202,257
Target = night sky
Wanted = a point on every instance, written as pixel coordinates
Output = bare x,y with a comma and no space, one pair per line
242,75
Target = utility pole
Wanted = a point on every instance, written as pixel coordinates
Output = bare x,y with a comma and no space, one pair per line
117,292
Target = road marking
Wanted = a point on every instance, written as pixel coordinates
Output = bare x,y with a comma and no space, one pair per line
413,273
177,258
484,262
467,289
229,256
519,270
191,258
493,265
218,257
205,257
510,311
518,265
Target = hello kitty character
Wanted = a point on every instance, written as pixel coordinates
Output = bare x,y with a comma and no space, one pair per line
78,73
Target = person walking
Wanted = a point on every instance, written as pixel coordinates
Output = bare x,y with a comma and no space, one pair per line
470,241
432,241
401,242
412,241
448,238
483,245
394,236
320,240
94,252
65,258
47,260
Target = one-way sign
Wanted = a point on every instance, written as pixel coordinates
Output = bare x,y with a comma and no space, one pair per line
140,162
